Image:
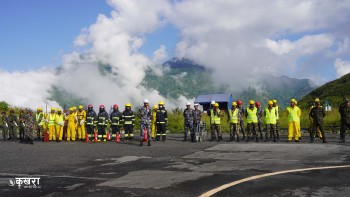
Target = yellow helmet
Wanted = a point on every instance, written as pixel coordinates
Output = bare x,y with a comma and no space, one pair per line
155,106
274,101
74,108
234,104
317,100
71,109
53,109
127,105
81,107
59,110
251,102
216,105
270,103
40,109
161,103
293,101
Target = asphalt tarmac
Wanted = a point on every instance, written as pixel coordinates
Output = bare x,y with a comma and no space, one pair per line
177,168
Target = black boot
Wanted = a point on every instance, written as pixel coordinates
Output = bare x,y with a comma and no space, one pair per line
149,143
141,143
324,139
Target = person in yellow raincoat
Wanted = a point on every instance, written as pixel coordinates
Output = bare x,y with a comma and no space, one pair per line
59,120
72,120
293,113
154,122
81,115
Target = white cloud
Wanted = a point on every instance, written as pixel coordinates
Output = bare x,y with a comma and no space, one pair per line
238,40
27,89
308,44
342,67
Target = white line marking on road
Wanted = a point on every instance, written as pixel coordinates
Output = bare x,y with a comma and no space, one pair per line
225,186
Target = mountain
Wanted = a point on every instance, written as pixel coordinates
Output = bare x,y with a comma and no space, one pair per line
281,88
185,77
333,91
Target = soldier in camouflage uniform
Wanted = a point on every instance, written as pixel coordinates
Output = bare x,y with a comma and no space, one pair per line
188,118
21,124
260,123
4,125
145,114
30,126
197,114
12,122
241,114
317,114
344,111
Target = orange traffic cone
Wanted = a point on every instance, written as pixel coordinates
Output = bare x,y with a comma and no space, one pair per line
117,139
87,138
145,136
95,136
108,136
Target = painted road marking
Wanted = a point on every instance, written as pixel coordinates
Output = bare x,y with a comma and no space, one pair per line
225,186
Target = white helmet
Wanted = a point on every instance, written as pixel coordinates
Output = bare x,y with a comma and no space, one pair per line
212,102
196,104
146,101
188,103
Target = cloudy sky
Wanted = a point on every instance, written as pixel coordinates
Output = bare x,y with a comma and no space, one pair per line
237,39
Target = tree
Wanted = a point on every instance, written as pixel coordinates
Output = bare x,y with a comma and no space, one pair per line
3,106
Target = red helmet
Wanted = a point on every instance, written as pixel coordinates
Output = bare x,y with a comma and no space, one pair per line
257,104
102,106
239,102
115,106
90,106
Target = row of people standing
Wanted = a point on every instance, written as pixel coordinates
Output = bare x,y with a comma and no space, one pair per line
254,118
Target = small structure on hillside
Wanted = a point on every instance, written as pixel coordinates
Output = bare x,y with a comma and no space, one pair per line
224,101
328,107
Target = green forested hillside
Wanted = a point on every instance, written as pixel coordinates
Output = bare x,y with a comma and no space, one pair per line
333,91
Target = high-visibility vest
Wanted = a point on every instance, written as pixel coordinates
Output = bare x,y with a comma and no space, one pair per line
59,119
278,114
51,119
234,116
251,115
293,114
215,119
37,116
270,117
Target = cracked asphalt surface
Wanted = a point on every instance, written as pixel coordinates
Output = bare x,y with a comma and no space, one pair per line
175,168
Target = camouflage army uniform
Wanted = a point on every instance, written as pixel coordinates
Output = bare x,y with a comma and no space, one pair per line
12,122
21,125
145,114
196,122
188,124
260,122
344,111
30,126
317,114
4,126
241,113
